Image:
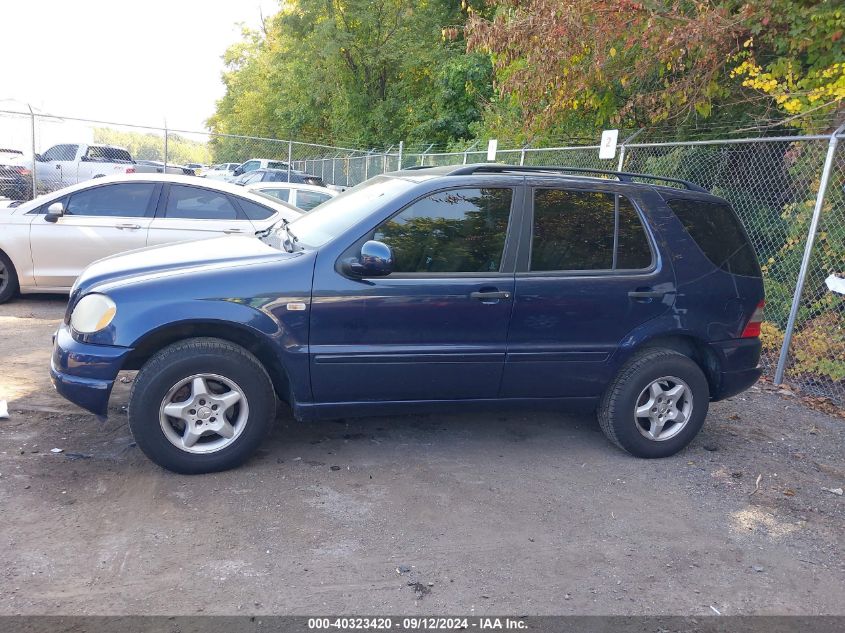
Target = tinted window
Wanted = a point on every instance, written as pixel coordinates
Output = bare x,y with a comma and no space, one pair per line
632,249
574,230
281,194
198,204
129,200
459,230
276,165
250,178
718,232
276,176
100,153
254,211
307,200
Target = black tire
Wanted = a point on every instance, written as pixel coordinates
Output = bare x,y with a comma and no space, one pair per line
616,412
8,278
185,359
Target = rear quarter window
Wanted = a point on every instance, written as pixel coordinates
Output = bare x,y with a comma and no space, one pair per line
719,234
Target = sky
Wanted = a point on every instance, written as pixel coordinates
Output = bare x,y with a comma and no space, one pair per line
115,60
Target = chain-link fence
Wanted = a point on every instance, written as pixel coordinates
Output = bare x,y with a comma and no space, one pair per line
789,193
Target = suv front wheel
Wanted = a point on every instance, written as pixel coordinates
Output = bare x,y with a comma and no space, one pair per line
201,405
656,404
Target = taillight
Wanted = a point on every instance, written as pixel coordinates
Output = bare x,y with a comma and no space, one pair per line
752,328
23,171
130,170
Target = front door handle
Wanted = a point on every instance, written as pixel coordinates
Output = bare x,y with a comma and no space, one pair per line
490,295
230,231
128,226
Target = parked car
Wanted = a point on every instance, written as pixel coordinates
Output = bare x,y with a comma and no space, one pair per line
197,168
279,175
72,163
223,171
440,288
157,167
46,243
302,196
15,176
258,163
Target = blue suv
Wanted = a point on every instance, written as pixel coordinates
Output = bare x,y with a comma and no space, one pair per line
429,289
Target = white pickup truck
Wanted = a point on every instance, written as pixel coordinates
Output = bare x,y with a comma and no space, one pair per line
69,164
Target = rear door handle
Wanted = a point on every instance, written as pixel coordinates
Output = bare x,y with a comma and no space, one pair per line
490,295
649,293
128,226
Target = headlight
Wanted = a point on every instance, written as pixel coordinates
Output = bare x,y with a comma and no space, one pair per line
92,313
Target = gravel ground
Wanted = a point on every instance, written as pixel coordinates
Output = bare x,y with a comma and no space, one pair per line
531,513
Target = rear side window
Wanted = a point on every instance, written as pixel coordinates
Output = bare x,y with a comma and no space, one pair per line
108,154
254,211
586,230
452,231
307,200
719,234
195,203
281,194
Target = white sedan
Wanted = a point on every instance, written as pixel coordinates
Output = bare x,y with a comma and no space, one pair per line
46,243
300,195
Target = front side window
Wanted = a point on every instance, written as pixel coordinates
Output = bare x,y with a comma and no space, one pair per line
586,230
129,200
251,165
195,203
61,152
453,231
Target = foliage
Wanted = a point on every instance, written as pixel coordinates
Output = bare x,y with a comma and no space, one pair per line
354,73
148,146
819,348
632,63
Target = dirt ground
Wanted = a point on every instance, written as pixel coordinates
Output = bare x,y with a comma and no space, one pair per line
532,513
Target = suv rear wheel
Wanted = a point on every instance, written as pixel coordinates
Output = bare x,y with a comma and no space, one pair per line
201,405
656,404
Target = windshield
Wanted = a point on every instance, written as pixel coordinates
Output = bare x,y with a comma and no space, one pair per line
336,216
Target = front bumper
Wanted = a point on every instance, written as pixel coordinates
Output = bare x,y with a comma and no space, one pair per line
84,373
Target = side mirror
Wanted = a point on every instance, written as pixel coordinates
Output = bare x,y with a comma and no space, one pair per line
54,212
238,171
39,158
376,260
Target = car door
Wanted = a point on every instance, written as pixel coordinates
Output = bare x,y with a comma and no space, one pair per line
589,273
434,329
189,212
98,221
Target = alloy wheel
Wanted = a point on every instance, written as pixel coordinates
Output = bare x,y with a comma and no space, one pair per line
663,408
204,413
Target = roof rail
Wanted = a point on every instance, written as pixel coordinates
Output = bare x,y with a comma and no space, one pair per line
622,176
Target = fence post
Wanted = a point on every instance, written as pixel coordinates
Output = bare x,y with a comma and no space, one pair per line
165,146
401,151
290,157
621,163
522,155
808,251
467,150
34,162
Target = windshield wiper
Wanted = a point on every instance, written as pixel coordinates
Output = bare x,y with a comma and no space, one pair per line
289,244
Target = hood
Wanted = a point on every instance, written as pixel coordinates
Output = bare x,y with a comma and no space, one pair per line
180,257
